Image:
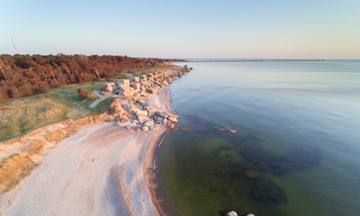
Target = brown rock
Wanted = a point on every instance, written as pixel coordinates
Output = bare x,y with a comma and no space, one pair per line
257,194
252,174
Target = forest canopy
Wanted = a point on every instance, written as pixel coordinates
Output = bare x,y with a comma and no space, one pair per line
25,75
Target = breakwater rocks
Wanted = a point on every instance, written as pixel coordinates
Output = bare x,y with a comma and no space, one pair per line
133,110
137,114
144,85
184,70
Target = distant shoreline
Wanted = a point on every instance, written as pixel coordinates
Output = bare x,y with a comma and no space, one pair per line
256,60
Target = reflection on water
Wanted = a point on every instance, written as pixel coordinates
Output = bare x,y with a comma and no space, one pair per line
296,151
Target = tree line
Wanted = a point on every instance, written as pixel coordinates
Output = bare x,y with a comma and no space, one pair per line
25,75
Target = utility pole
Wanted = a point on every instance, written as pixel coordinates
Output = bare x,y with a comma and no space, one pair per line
16,52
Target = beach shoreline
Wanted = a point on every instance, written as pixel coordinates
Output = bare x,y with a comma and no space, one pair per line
102,168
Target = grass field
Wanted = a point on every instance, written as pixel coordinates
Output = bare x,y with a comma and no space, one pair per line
18,116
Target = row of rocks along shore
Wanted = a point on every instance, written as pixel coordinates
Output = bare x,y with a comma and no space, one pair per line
132,109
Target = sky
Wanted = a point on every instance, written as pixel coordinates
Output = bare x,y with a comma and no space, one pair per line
296,29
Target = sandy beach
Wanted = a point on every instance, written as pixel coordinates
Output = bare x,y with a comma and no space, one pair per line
100,170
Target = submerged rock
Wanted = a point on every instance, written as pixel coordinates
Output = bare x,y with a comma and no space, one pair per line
257,194
233,131
216,153
219,174
185,129
235,175
245,166
270,191
213,189
252,174
224,148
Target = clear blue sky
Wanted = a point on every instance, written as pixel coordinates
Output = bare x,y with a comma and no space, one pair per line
184,29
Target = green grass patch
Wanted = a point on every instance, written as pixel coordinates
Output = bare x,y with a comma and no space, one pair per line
19,116
103,106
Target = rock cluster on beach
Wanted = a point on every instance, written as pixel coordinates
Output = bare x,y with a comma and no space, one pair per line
137,113
133,110
144,85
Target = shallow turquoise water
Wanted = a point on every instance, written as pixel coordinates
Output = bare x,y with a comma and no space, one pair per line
298,129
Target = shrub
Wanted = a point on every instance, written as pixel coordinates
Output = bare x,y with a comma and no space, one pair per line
83,92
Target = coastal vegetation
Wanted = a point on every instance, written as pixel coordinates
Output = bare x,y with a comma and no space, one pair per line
19,116
25,75
23,111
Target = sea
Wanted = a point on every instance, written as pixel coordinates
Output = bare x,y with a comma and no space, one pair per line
297,147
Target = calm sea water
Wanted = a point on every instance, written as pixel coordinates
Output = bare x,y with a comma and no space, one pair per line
297,150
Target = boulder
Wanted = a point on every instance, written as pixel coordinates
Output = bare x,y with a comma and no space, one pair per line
141,112
142,119
232,213
149,90
155,128
145,129
128,107
161,114
123,124
257,194
172,119
165,121
172,126
252,174
149,123
142,103
158,120
233,131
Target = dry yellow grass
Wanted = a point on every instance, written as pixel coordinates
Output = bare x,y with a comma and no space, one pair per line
13,169
36,147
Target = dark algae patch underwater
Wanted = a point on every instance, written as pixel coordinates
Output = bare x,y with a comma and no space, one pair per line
204,171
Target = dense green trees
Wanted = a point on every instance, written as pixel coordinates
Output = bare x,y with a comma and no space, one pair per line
24,75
